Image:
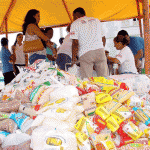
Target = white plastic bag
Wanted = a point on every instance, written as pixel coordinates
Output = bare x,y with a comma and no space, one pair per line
75,70
45,138
15,139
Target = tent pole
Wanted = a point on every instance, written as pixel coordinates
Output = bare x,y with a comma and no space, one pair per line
146,35
6,27
67,10
140,23
11,5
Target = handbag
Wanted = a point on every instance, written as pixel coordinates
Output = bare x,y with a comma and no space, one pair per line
33,46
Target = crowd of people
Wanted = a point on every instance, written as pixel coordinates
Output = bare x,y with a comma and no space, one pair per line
84,43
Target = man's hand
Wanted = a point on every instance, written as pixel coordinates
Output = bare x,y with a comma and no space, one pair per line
73,61
138,65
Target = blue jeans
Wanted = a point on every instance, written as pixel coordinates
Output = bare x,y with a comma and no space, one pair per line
35,56
127,73
62,59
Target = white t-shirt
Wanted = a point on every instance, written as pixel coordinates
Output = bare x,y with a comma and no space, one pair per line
66,46
89,32
127,62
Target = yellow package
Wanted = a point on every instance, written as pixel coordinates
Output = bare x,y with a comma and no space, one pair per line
112,124
84,83
83,141
121,114
148,141
107,89
102,98
86,126
105,110
132,130
147,132
106,145
142,115
114,90
97,138
100,79
81,137
103,80
121,95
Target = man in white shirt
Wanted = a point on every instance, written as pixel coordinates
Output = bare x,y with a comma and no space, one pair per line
65,52
88,43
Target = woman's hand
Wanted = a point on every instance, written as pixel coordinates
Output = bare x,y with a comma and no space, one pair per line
13,58
50,57
13,49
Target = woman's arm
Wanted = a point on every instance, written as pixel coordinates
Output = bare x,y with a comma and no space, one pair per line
114,60
33,28
50,45
40,34
13,49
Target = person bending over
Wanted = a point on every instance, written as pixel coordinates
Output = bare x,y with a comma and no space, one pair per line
125,58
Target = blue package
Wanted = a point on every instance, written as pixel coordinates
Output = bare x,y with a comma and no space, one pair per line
4,133
19,118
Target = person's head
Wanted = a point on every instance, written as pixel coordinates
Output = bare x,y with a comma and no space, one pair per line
4,42
121,41
49,32
32,16
19,38
78,12
61,40
123,32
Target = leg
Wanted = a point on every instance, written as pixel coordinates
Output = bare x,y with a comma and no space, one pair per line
17,70
8,77
101,63
86,65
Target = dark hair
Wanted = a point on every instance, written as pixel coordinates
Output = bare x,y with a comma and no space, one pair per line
16,38
80,10
29,18
125,40
61,40
47,29
123,32
4,41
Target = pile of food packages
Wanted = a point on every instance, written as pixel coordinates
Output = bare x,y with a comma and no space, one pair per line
45,108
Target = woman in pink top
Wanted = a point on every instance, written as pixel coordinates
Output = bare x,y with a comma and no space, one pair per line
17,50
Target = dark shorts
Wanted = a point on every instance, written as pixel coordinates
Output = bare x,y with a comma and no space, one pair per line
8,77
62,59
35,56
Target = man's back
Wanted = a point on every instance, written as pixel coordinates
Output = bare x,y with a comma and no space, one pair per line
136,43
89,33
